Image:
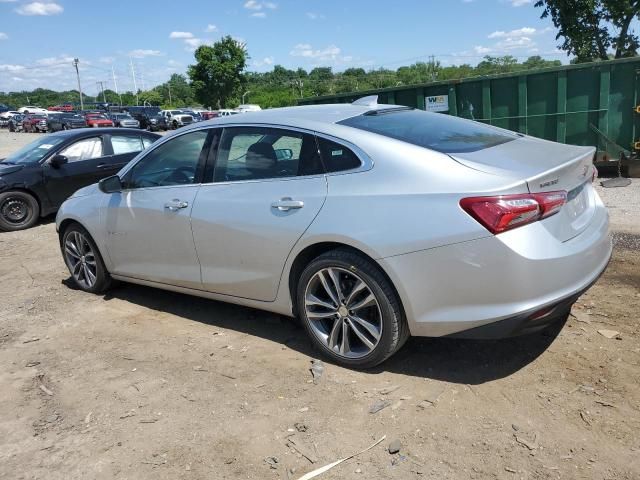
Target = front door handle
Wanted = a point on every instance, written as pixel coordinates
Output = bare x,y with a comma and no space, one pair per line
287,203
175,205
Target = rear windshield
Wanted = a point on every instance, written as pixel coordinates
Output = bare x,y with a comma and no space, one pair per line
436,131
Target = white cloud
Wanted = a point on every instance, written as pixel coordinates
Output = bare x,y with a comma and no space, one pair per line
141,53
61,59
40,8
180,35
3,36
331,54
107,59
480,50
315,16
211,28
258,7
10,68
521,32
266,61
520,3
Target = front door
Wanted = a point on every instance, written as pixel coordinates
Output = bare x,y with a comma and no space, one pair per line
267,187
148,223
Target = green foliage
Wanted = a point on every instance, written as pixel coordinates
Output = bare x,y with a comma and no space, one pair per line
590,28
217,76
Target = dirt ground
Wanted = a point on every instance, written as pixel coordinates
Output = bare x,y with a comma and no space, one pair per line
145,384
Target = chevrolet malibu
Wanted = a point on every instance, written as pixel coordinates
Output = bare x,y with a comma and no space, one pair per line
369,222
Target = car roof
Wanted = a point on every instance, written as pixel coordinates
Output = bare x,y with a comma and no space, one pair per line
87,132
307,116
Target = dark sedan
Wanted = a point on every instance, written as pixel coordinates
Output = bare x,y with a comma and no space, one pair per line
65,121
35,180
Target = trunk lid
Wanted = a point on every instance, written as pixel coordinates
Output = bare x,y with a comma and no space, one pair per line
546,167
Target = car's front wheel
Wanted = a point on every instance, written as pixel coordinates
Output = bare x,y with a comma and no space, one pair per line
83,260
350,309
18,211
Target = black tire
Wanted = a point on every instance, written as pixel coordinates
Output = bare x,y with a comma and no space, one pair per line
395,331
18,211
103,280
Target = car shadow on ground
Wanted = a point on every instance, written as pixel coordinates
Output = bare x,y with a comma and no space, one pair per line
452,360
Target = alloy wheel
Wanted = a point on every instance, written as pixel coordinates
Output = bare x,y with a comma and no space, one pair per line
343,312
81,259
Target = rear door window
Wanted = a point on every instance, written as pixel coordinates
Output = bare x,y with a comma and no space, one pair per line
435,131
125,144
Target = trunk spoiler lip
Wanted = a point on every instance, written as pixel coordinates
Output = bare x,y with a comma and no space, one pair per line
468,160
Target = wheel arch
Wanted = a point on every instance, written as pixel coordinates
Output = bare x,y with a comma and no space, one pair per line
310,252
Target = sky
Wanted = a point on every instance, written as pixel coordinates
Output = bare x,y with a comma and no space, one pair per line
40,39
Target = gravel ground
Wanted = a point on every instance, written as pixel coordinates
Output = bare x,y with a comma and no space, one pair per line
145,384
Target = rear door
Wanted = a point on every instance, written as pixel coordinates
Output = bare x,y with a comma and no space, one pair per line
83,168
123,148
267,187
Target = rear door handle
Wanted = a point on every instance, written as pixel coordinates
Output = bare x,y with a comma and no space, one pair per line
175,205
287,203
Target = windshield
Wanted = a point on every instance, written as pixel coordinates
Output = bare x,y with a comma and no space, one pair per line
436,131
96,115
35,151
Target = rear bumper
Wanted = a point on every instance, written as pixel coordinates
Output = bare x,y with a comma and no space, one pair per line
499,282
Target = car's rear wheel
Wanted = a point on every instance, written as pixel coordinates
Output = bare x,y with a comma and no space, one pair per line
83,260
18,210
350,309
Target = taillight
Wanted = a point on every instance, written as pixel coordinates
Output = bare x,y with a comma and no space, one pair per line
505,212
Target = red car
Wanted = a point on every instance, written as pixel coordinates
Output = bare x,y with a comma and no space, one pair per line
97,120
34,123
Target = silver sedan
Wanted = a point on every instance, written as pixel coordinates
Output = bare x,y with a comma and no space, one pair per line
369,222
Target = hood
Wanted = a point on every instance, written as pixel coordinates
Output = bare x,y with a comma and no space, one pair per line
6,169
84,191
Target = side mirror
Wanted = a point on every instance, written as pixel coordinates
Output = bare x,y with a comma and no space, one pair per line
110,184
58,160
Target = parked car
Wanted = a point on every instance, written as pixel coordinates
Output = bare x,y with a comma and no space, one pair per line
34,122
226,112
208,115
35,180
124,120
67,107
15,123
98,120
32,109
65,121
369,222
5,116
197,117
176,118
247,108
149,118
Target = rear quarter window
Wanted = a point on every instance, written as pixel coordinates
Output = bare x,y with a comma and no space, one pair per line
337,157
435,131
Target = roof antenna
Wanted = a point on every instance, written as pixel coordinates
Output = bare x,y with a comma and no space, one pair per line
370,101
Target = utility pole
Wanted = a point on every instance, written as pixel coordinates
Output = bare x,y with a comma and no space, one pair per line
115,83
169,85
104,99
135,85
75,64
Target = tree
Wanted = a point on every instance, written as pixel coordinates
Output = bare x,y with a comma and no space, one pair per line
590,28
150,97
218,75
